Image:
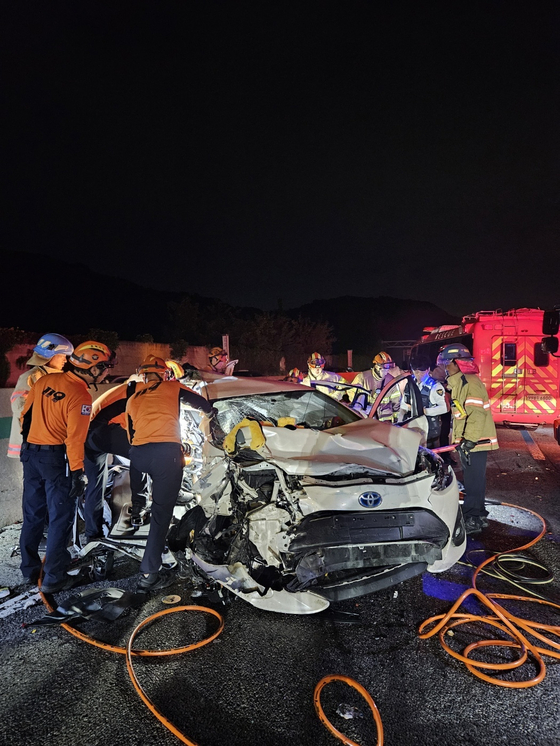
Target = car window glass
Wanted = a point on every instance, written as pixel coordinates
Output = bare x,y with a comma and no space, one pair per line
311,409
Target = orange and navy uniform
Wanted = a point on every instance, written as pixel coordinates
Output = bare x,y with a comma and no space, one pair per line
153,411
57,412
109,408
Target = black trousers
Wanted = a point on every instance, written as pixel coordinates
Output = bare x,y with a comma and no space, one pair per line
474,479
46,485
164,463
102,440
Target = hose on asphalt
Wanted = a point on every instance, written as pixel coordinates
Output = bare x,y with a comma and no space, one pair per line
513,626
130,653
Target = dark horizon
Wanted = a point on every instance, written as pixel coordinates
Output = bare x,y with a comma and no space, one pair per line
258,153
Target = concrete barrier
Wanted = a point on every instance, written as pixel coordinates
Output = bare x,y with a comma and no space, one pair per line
11,472
129,357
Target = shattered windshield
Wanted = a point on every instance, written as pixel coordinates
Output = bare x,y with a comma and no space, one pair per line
311,409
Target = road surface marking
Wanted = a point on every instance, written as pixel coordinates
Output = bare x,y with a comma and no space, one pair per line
534,450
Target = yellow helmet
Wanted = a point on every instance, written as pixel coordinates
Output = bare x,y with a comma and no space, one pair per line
177,370
215,355
384,359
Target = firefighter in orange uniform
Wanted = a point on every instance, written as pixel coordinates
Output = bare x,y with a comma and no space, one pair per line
153,414
107,435
55,422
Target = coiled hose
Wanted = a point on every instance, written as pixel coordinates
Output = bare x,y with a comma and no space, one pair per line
502,619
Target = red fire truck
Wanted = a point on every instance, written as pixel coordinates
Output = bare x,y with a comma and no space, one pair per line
522,380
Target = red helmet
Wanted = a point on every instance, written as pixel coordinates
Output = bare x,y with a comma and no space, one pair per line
90,354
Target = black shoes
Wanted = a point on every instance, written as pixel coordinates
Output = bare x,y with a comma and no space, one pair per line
63,585
155,581
475,523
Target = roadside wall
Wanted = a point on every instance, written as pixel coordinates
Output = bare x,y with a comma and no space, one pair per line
11,474
129,357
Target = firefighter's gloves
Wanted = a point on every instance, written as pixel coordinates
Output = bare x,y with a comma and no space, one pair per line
464,449
79,482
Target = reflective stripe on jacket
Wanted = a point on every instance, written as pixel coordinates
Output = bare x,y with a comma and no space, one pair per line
17,401
472,416
328,376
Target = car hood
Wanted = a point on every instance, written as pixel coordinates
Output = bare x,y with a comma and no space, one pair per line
367,444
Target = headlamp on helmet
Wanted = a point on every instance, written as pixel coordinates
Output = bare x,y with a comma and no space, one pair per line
315,360
92,355
382,361
452,352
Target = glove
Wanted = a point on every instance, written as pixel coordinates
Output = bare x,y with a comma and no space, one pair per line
464,448
79,482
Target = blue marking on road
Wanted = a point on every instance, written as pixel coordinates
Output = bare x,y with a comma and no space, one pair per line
446,590
527,436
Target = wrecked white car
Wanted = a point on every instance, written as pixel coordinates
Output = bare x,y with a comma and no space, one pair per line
300,501
294,501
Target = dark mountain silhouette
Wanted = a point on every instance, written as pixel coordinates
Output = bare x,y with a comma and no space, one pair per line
360,324
43,294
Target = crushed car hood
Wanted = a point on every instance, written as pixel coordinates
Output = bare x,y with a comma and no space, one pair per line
368,444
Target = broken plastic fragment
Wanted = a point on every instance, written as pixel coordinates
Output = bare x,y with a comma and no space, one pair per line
348,712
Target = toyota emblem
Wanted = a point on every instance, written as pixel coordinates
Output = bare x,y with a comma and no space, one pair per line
370,499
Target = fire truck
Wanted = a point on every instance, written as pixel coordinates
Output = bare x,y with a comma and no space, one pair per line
521,376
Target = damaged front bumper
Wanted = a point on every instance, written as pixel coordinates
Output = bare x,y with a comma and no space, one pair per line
344,555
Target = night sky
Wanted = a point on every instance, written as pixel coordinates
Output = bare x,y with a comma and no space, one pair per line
257,151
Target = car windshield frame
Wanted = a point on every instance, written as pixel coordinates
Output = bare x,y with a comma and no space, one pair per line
310,408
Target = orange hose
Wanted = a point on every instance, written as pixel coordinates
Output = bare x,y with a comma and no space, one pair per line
365,694
503,620
130,653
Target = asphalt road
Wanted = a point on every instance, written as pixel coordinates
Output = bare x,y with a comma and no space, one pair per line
254,684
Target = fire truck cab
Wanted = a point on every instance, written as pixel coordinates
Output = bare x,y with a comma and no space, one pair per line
522,379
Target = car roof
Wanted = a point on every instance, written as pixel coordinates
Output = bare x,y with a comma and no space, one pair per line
229,386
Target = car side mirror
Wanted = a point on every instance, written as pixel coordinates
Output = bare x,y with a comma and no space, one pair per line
550,344
551,322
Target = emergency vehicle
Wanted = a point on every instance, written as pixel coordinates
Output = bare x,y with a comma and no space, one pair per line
522,380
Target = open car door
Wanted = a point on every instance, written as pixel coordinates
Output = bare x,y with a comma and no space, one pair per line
415,419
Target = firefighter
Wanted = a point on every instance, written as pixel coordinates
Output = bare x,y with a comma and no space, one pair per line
294,376
219,362
382,371
49,356
153,420
474,431
177,371
55,422
316,372
107,434
433,398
